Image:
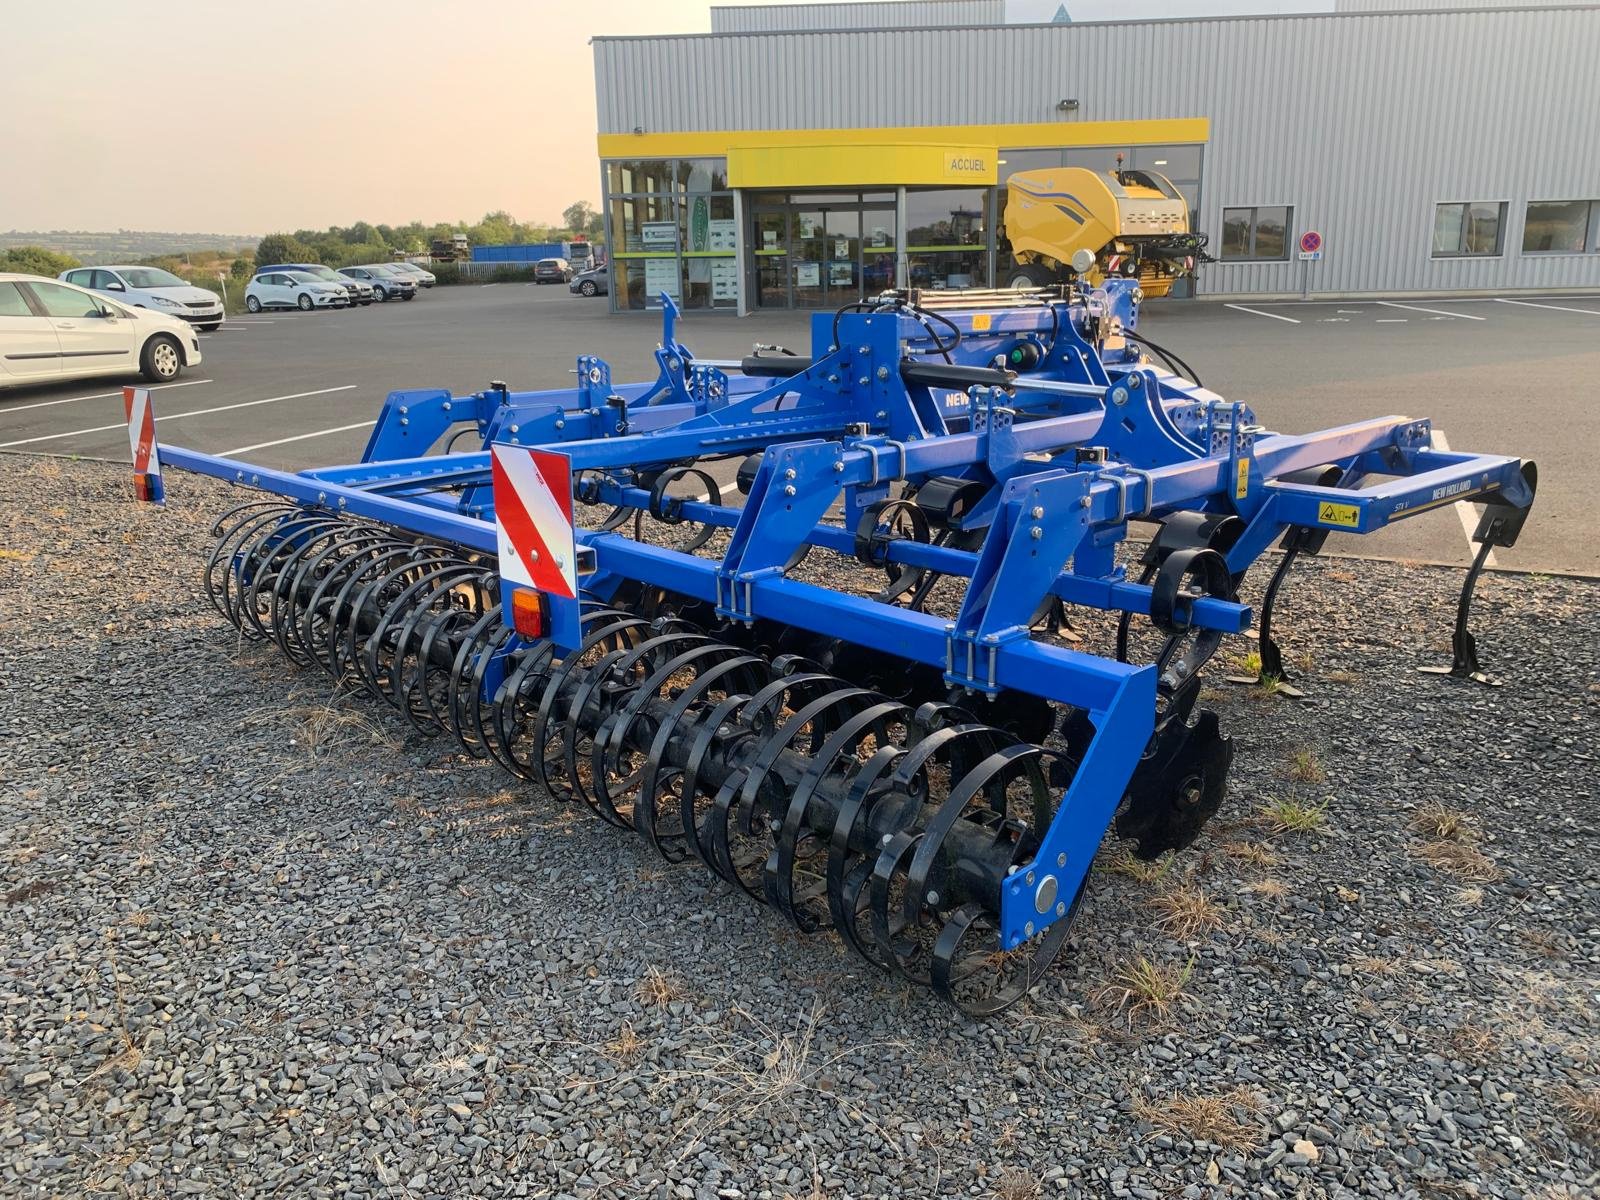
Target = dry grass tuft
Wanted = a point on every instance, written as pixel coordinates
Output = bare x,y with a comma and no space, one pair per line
1469,897
1459,859
625,1047
658,988
1145,991
1272,889
319,728
1016,1184
1287,814
1473,1041
1184,912
1254,853
1123,862
1225,1120
1580,1109
1371,964
1440,821
766,1068
1304,767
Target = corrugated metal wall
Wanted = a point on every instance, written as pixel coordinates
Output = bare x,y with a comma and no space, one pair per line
1369,6
877,14
1362,123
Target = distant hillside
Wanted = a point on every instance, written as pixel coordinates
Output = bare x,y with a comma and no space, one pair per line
124,244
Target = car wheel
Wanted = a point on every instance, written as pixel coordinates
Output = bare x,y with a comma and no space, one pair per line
383,294
162,359
587,287
253,303
305,303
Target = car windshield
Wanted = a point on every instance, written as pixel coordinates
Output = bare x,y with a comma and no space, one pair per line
321,273
150,277
301,276
383,269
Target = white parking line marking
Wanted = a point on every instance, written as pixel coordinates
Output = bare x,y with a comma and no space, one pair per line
300,437
1588,312
1257,312
1351,312
1392,321
1438,312
99,396
52,437
1464,509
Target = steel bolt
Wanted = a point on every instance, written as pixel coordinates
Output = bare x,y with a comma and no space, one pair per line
789,474
838,467
1061,860
322,497
446,406
1036,533
864,350
405,420
404,410
1061,910
1030,876
833,379
883,372
933,897
255,479
516,429
863,381
1028,929
533,555
788,489
342,502
1086,502
561,424
1038,511
887,838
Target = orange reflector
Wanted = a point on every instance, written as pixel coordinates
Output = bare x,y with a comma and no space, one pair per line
528,612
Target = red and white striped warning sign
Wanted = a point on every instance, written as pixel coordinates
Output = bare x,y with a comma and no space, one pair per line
533,519
142,443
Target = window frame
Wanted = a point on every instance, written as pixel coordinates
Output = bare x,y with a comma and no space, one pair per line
1591,240
1500,231
1254,209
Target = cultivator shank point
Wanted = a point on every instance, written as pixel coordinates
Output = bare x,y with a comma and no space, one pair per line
844,696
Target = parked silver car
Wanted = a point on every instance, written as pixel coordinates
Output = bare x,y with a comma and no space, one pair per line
386,282
424,277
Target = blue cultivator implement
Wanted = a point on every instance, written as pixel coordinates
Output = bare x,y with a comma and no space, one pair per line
849,695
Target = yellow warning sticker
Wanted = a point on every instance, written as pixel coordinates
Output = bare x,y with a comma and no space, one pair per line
1347,515
1241,487
981,321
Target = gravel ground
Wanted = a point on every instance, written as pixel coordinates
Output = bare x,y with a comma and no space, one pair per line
259,941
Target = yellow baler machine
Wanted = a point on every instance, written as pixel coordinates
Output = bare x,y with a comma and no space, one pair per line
1131,223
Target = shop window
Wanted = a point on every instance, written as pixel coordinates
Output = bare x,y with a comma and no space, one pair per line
1471,230
1012,161
703,174
1561,227
640,175
707,233
1257,234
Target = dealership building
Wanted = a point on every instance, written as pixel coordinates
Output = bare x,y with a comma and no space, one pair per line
805,155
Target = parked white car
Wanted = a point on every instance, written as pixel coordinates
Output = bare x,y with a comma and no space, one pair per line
151,287
50,331
293,289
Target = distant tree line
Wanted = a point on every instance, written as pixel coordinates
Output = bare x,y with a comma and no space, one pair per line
340,246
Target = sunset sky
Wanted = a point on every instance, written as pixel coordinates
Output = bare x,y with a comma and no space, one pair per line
242,117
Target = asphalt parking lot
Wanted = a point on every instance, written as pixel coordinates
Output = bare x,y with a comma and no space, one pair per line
1512,376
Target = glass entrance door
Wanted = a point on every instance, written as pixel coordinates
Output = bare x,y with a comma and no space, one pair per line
771,253
822,250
